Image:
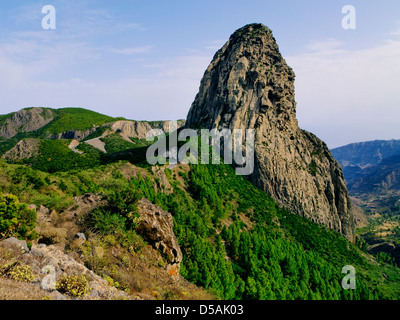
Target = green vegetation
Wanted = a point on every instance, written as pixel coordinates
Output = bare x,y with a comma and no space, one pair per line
75,285
16,270
140,142
119,216
4,117
115,143
236,241
67,119
97,133
16,219
312,168
8,144
54,155
259,259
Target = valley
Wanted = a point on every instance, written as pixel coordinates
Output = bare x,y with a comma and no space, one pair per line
372,171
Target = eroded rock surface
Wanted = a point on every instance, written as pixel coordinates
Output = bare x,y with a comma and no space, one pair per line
25,120
156,227
248,85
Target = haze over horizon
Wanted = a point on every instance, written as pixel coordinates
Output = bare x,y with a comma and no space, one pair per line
144,61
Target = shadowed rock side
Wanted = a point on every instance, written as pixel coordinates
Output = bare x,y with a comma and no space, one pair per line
248,85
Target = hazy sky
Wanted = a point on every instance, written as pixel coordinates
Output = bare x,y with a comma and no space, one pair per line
144,59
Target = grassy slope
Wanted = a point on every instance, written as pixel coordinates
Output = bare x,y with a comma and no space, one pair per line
76,119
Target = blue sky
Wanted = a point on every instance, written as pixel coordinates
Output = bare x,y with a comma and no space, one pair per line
144,60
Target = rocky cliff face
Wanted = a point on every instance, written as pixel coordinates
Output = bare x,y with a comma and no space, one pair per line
25,120
248,85
139,129
72,134
24,149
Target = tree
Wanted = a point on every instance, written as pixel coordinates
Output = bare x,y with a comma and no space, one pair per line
251,289
16,219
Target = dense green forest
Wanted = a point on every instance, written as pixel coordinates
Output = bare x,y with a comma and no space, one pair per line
276,255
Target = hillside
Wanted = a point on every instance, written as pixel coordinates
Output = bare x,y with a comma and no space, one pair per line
57,132
372,172
235,240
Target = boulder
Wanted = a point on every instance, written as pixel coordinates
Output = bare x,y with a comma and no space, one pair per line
156,227
17,246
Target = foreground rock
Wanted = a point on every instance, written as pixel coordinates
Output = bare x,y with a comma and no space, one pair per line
248,85
48,263
156,227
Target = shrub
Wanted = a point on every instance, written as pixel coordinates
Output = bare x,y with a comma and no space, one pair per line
96,254
124,203
17,271
106,222
115,143
16,219
75,285
312,168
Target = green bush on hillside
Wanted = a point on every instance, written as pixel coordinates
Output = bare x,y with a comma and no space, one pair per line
115,143
16,220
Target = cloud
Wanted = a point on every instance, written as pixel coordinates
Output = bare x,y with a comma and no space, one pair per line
338,90
328,46
131,51
165,92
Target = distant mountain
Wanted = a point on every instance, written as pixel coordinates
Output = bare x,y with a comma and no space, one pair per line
355,158
383,176
372,172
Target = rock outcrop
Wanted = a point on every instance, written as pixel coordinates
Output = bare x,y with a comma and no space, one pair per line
51,262
248,85
24,149
156,227
73,134
139,129
25,120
